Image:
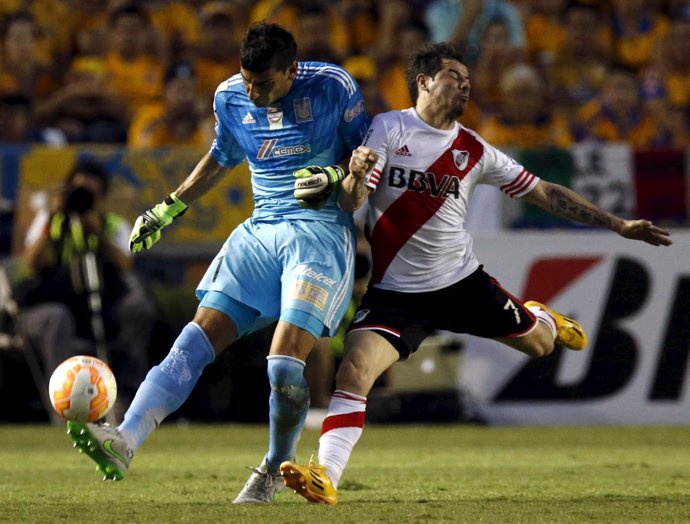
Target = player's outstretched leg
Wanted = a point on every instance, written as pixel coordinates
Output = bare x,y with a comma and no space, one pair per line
261,488
569,332
105,445
309,481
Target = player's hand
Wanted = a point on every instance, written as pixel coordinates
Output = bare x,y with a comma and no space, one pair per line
315,183
362,161
646,231
147,227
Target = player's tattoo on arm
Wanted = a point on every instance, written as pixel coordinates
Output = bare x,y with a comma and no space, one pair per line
568,204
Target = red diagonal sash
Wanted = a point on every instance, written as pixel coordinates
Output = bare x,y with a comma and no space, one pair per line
413,209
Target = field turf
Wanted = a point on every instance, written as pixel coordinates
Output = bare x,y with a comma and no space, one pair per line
440,473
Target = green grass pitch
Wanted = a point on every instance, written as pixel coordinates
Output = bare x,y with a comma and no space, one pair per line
398,474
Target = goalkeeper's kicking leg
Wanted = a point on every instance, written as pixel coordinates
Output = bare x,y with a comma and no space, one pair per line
169,384
164,390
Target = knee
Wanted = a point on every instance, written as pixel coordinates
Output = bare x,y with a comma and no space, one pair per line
285,371
355,376
286,376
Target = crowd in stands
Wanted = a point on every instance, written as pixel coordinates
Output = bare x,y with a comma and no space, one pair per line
544,72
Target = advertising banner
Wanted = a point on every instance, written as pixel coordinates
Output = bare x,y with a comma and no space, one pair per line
634,302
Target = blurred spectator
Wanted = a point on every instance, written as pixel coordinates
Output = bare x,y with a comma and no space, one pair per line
666,83
360,20
463,23
56,315
525,119
238,10
392,17
287,13
392,81
135,73
363,69
218,53
17,123
52,34
86,108
637,27
314,41
545,30
178,119
22,70
578,70
617,114
497,56
88,24
177,25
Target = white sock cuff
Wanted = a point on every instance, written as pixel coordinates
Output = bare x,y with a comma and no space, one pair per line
341,393
286,357
543,316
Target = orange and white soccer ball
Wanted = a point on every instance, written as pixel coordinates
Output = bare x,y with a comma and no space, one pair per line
82,389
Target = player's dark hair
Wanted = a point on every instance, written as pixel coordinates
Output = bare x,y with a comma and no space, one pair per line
427,60
92,169
267,46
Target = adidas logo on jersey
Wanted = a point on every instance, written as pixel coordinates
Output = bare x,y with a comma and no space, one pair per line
248,119
403,151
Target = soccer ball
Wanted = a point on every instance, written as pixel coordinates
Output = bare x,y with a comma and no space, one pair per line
82,389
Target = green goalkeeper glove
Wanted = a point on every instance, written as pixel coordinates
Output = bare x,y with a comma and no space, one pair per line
147,228
315,183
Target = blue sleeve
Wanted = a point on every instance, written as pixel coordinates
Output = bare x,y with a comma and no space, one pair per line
225,149
354,121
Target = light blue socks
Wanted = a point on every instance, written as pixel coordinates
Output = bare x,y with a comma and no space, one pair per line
168,384
289,403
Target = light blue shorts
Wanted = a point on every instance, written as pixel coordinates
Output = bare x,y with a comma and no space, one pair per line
298,271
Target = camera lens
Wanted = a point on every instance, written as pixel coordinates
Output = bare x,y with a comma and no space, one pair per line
79,200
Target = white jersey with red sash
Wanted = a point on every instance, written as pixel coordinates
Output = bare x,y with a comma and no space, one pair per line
422,184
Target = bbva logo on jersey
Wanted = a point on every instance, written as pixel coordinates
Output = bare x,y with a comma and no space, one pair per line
435,184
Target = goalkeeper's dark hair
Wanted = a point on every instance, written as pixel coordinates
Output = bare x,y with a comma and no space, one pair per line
427,60
267,46
92,169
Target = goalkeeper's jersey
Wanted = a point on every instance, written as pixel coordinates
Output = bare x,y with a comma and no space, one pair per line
422,183
319,122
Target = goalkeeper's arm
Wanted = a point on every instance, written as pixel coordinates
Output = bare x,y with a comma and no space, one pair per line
148,226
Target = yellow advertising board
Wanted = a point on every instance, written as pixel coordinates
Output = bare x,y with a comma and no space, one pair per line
139,180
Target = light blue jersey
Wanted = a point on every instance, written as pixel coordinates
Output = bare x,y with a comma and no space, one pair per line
287,262
319,122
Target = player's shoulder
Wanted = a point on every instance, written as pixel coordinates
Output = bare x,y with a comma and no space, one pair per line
326,73
230,86
474,134
397,118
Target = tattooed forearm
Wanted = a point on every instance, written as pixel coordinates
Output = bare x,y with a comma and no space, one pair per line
569,204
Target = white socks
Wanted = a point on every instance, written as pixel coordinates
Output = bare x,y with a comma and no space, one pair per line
340,431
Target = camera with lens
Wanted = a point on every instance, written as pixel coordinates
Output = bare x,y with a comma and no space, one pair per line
79,199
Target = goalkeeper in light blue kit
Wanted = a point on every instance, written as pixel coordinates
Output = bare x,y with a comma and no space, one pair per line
292,260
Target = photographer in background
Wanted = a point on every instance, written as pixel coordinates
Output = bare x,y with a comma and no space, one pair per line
56,316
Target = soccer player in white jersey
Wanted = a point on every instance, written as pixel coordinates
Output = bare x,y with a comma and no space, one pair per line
425,275
289,261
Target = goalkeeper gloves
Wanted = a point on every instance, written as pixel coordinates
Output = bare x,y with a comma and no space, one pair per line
147,228
315,183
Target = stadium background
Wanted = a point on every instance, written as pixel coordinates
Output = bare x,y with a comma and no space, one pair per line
603,111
